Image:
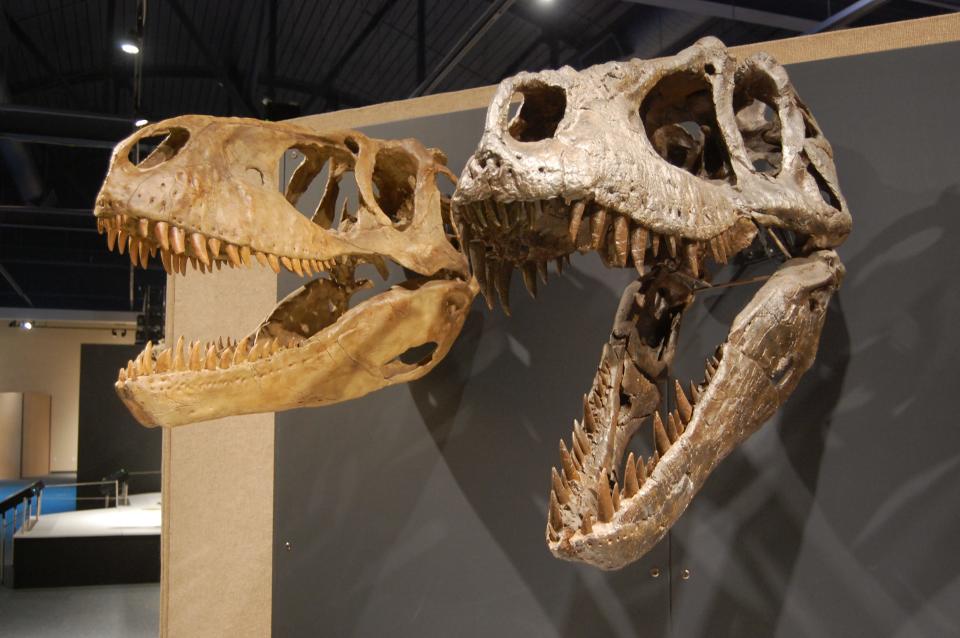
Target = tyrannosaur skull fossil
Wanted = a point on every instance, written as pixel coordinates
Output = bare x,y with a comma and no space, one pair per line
670,166
208,196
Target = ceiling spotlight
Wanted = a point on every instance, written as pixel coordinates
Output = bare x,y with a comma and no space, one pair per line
129,47
140,122
26,325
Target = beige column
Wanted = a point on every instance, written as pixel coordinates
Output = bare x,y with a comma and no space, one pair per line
217,535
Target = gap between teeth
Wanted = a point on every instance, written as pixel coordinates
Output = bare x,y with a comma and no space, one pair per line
142,239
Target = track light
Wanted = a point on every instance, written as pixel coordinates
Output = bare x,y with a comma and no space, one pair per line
23,325
140,122
129,46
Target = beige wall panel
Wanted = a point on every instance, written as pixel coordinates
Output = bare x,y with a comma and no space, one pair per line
217,539
47,361
35,453
11,419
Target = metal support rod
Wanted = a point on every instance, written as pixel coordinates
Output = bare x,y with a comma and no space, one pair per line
852,13
13,284
421,40
463,46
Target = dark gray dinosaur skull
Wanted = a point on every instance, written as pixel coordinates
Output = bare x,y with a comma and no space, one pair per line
668,166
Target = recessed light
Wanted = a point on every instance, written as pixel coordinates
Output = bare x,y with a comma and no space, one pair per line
140,122
129,47
26,325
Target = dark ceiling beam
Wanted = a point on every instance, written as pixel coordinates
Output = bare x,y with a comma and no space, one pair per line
13,284
17,31
731,11
66,128
939,4
421,40
326,84
254,73
463,46
6,209
847,16
516,66
215,61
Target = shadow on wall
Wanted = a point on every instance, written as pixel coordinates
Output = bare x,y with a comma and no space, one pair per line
497,408
823,522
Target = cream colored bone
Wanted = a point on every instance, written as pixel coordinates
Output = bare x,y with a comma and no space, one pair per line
207,196
666,166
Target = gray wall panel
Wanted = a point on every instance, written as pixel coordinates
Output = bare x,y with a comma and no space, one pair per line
419,510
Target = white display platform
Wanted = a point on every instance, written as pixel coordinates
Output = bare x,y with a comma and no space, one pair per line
140,517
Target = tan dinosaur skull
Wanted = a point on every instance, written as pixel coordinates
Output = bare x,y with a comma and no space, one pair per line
208,196
668,166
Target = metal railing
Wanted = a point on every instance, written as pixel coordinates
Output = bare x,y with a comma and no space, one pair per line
32,493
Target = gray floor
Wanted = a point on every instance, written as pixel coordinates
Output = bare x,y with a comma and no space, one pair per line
129,611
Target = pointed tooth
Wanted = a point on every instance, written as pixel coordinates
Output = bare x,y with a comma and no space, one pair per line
233,254
717,246
709,371
262,259
199,246
122,374
502,283
165,260
226,358
183,263
214,245
587,525
133,251
556,521
621,239
578,454
661,440
131,370
176,239
559,265
529,272
683,404
563,494
566,461
144,254
211,360
100,228
477,254
598,228
638,246
604,502
121,242
195,362
491,265
164,360
274,263
111,239
652,462
678,423
641,472
655,244
147,354
160,230
542,270
305,265
630,484
241,353
672,433
193,262
143,227
588,421
275,346
672,246
286,263
582,437
693,259
245,255
714,253
615,495
576,218
178,360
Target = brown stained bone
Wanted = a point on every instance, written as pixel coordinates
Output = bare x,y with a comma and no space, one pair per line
207,196
672,167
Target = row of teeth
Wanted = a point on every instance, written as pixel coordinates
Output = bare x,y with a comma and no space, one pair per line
198,356
142,239
610,496
618,240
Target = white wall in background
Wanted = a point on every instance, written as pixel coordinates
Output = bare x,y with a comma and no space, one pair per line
47,360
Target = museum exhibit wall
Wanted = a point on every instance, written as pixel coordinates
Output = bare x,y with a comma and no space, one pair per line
110,438
47,361
420,510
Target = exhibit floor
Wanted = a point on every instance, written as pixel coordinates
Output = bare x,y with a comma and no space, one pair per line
129,611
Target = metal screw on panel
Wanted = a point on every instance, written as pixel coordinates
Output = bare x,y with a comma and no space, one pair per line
287,546
685,574
655,572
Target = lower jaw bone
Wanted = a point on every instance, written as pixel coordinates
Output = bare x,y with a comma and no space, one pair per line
610,518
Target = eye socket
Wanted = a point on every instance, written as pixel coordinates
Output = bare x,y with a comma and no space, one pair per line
164,147
541,111
394,183
680,120
754,103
